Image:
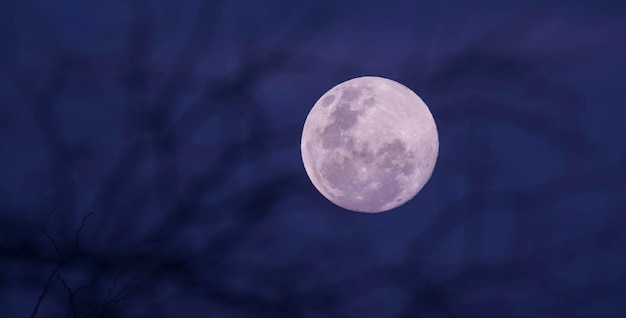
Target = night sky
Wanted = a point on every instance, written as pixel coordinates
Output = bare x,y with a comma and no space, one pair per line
150,160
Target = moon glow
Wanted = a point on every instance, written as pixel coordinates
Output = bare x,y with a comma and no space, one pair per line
369,144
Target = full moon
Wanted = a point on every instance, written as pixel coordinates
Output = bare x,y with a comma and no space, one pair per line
369,144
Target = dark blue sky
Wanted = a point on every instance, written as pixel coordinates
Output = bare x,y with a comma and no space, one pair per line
167,135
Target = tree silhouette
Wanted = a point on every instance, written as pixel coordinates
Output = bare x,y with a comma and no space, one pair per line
77,306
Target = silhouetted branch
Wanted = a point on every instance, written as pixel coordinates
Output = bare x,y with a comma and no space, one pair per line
63,260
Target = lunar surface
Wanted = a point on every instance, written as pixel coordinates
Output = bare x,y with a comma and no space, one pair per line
369,144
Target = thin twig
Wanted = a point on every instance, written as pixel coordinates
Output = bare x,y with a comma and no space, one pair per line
82,225
42,228
45,289
70,297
